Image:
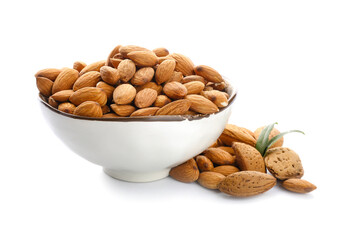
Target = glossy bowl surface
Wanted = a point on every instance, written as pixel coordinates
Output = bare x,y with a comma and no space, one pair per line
137,149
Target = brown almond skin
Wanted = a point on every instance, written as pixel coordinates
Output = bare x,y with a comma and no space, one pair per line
165,70
175,90
150,111
145,98
124,50
49,73
208,73
201,104
52,102
126,70
210,180
89,94
219,156
248,158
109,75
186,172
67,107
246,183
108,89
96,66
194,87
65,80
78,65
161,101
204,163
89,79
123,110
175,77
161,52
110,115
226,170
216,97
143,76
233,133
88,109
273,133
114,51
298,185
152,85
218,86
115,62
124,94
44,86
143,58
193,78
178,107
283,163
183,64
227,149
62,96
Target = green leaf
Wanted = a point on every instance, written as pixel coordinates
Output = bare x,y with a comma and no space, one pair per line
263,138
276,138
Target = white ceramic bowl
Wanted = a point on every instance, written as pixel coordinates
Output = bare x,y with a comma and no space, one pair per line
138,149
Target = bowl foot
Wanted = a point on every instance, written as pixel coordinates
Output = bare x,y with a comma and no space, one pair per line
136,176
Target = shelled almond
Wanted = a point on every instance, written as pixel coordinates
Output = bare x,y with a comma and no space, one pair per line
134,81
234,166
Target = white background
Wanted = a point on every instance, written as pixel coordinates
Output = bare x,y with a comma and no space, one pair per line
295,62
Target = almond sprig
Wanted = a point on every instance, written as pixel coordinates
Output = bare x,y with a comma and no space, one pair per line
263,143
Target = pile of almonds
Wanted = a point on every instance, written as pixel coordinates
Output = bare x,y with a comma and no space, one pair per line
234,166
134,81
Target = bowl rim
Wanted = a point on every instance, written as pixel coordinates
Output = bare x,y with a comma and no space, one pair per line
160,118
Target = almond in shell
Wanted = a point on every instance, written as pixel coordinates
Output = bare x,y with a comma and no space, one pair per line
201,104
186,172
124,94
89,94
88,109
210,180
145,98
248,158
178,107
246,183
89,79
283,163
